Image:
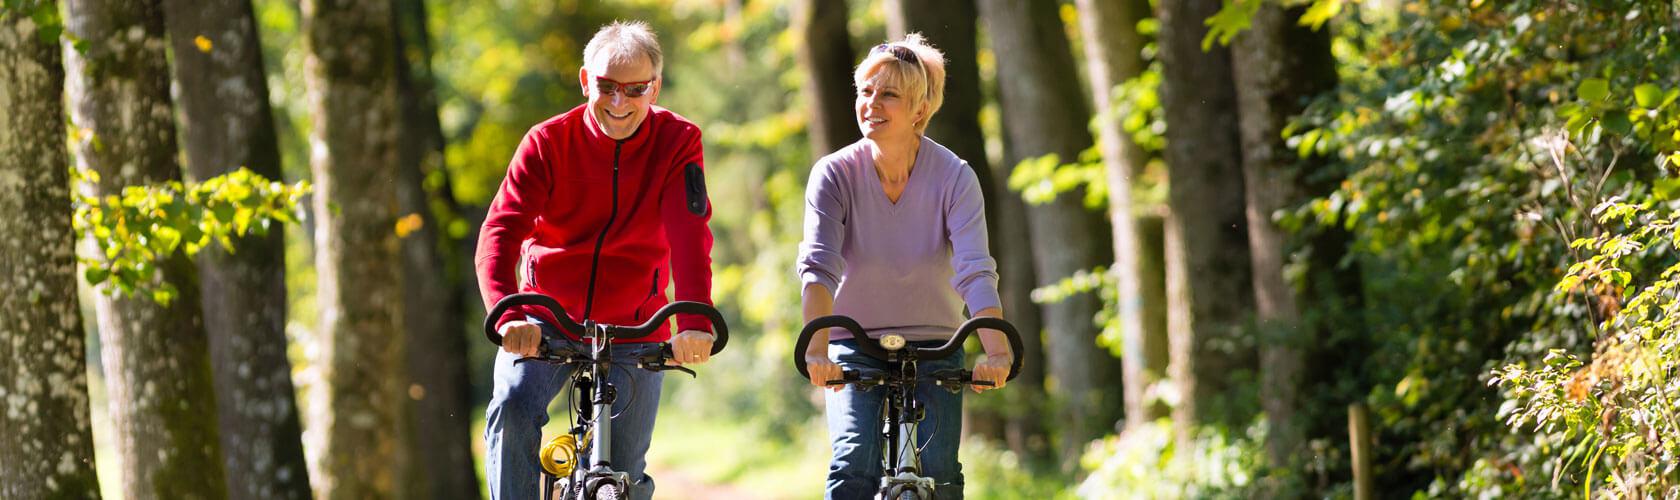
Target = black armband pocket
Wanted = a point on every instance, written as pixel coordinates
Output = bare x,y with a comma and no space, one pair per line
695,179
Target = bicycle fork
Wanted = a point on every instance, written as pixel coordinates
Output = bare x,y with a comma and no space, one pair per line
903,455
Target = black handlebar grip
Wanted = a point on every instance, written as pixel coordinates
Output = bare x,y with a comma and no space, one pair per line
819,324
527,299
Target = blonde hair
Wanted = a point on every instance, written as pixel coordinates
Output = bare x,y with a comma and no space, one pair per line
622,42
921,82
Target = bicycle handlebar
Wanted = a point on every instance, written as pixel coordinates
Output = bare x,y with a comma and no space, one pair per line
872,347
721,329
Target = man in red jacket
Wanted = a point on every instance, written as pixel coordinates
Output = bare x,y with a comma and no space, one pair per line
601,205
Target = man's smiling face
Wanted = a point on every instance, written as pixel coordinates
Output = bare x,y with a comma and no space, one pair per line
610,86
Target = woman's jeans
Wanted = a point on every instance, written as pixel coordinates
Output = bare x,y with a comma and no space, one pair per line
855,419
519,408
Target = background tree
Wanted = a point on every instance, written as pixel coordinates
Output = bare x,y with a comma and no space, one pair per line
1046,114
44,424
156,357
1279,66
1113,55
226,125
951,26
351,73
1214,294
433,298
825,51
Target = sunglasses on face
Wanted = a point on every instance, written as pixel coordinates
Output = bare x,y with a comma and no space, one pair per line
900,52
608,86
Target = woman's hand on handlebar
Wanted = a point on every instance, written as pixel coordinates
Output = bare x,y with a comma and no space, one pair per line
822,369
521,338
691,347
993,368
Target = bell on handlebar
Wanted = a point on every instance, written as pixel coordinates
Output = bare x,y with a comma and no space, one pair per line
892,342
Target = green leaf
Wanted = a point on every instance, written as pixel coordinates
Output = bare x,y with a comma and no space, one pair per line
1231,20
1617,121
1320,12
97,275
1593,89
1648,95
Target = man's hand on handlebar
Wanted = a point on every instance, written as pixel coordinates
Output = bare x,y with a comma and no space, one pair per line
521,338
691,347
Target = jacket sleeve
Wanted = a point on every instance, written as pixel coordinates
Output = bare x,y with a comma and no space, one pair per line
510,220
974,272
687,233
819,259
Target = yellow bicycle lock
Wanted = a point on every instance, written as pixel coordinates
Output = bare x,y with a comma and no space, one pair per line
560,455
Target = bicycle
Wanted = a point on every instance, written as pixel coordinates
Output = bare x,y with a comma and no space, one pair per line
592,395
901,461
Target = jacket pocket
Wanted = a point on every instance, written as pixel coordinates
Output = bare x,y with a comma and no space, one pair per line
653,289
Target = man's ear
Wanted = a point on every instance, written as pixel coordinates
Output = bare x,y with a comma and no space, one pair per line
658,84
583,80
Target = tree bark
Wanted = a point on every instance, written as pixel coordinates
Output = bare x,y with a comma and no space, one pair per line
44,422
1045,112
1112,56
227,125
1213,294
351,75
950,26
156,357
432,303
1279,65
825,54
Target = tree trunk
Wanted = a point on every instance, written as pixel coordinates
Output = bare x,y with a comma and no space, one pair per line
1112,56
949,25
1044,113
825,54
227,125
432,304
157,361
1204,164
352,79
44,423
1279,66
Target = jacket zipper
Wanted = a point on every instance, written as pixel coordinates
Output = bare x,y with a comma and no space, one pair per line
595,259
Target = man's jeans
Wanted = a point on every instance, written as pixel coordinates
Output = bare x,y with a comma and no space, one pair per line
519,408
855,421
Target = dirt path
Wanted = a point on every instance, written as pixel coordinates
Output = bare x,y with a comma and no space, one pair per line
674,485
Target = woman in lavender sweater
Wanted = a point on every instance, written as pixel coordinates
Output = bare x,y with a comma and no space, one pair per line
895,237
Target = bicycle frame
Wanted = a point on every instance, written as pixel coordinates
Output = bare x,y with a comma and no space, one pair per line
596,417
903,412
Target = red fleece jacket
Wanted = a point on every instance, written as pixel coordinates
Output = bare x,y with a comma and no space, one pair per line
556,200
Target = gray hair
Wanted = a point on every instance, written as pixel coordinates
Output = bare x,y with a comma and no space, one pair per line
623,42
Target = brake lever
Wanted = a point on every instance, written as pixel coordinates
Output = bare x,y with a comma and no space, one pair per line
660,362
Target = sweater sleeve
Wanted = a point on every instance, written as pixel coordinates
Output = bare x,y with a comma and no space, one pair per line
820,261
510,220
974,272
688,234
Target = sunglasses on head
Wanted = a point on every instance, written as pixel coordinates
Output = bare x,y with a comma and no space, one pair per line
900,52
608,86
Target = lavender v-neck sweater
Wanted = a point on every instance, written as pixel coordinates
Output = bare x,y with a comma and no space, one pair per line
906,267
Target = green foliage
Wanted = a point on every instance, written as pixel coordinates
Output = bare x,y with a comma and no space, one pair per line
1619,409
136,230
1150,462
49,23
1446,127
1041,179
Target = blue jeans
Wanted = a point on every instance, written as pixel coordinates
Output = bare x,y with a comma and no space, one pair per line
855,420
519,408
